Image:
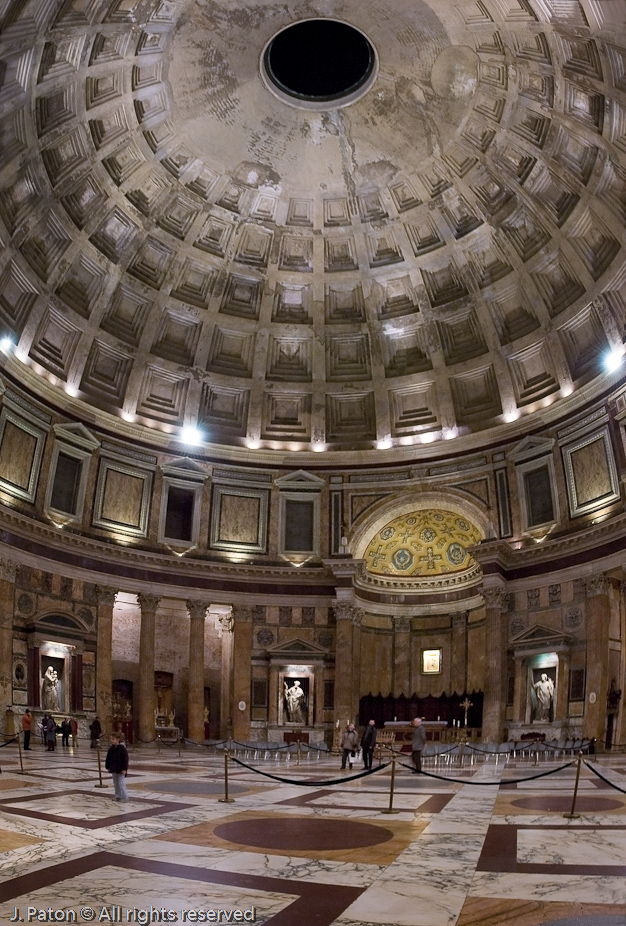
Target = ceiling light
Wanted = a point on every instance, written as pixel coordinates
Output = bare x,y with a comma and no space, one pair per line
191,435
6,344
613,360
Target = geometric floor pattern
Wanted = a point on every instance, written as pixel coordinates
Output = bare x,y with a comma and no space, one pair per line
486,849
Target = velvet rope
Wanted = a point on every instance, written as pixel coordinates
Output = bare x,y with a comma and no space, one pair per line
8,742
612,784
509,781
310,784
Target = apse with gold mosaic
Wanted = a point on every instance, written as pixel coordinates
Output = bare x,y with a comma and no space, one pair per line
421,544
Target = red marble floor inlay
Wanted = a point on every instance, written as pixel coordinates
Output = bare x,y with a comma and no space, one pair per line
317,835
558,803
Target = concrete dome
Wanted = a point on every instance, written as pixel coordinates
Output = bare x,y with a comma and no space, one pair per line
442,256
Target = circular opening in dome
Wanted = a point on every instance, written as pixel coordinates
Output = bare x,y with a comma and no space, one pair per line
319,61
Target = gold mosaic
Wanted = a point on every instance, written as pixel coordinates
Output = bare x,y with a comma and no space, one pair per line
422,543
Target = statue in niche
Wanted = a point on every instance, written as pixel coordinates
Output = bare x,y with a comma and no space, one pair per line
50,695
295,701
544,694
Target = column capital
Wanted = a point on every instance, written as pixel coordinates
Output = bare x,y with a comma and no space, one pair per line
105,595
227,621
345,611
494,596
148,602
242,613
597,584
8,570
196,609
401,624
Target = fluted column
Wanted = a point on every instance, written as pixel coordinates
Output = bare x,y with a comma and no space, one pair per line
598,590
104,657
7,595
145,701
195,686
458,668
242,658
495,666
345,614
401,657
227,623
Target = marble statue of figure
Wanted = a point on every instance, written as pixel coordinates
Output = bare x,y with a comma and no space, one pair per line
544,689
171,716
205,715
294,697
51,690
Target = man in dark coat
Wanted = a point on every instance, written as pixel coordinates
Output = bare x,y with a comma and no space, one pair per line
418,743
117,763
368,741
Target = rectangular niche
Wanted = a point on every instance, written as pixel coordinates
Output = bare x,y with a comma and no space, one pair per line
590,473
122,499
21,448
73,448
239,520
299,519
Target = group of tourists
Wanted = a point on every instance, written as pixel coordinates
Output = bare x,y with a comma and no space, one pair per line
49,730
351,743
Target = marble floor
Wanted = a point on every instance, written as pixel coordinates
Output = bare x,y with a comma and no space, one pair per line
472,846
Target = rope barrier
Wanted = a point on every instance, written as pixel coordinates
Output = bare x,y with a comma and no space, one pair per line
8,742
310,784
608,781
508,781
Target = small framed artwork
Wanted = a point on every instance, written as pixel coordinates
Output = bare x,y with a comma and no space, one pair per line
431,661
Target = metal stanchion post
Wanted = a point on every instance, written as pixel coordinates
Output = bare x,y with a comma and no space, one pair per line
571,815
19,746
180,736
298,759
392,785
226,799
158,744
101,784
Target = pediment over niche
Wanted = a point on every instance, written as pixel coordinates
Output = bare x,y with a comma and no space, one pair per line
76,434
539,637
300,481
185,468
530,448
297,651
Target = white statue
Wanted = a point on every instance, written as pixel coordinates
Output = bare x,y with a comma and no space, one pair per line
294,697
50,696
171,717
544,689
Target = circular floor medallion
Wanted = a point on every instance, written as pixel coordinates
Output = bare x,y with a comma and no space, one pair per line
309,835
555,803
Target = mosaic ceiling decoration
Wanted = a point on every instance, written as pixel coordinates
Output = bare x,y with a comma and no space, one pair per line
180,247
422,544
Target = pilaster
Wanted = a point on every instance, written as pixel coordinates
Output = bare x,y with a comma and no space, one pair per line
195,685
242,656
401,656
598,590
7,597
104,665
495,666
148,605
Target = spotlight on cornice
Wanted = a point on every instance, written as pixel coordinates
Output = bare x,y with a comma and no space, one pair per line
318,447
384,443
613,360
253,443
6,345
191,435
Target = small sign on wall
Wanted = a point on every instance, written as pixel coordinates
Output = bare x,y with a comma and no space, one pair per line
431,661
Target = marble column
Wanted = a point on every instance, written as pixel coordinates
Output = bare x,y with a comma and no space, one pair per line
145,699
401,656
598,588
104,656
495,666
226,621
7,596
357,619
458,667
195,686
242,672
345,614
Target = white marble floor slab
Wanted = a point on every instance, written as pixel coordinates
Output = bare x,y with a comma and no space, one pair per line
577,847
562,888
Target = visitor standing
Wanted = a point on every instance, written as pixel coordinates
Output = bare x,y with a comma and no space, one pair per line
95,732
117,764
27,726
418,743
74,729
368,741
349,745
